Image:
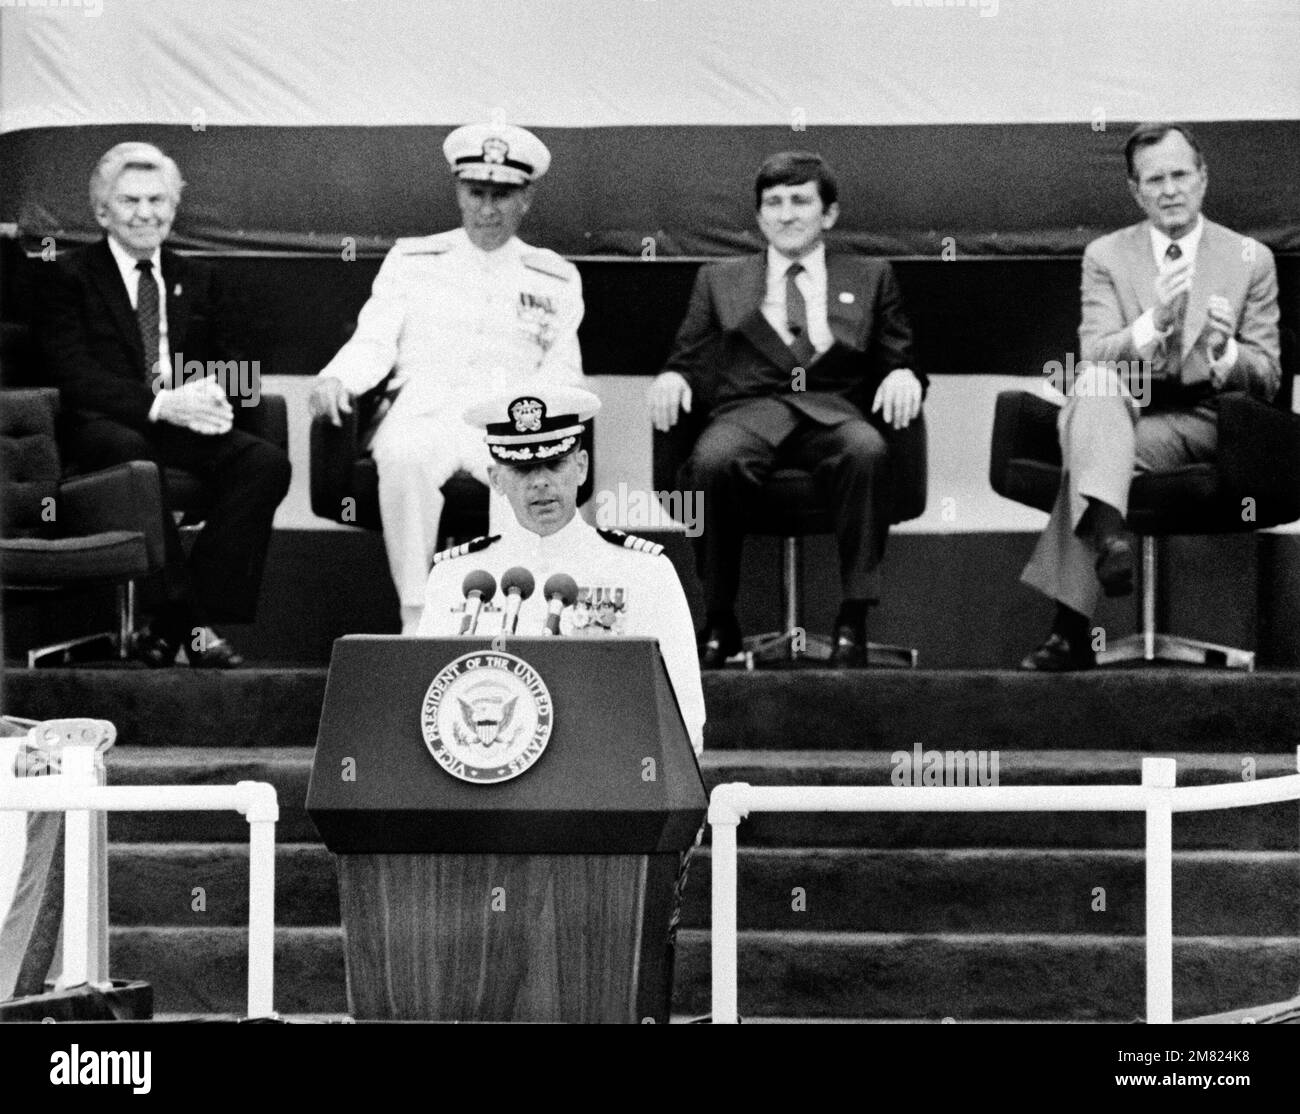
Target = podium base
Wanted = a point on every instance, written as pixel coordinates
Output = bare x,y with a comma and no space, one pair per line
546,938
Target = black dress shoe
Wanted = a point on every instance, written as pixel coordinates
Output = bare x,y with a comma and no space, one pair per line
1059,655
849,649
1115,566
217,653
718,643
156,650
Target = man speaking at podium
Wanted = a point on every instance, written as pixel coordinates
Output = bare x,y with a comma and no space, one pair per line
548,569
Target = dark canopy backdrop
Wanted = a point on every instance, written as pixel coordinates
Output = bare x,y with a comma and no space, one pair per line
985,128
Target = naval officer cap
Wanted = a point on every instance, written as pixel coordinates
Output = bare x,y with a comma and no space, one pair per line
534,425
496,153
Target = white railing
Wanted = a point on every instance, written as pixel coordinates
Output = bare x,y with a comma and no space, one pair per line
1156,796
74,791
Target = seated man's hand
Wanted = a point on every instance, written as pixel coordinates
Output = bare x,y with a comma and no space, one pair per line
668,395
199,406
1218,330
330,398
1173,286
898,398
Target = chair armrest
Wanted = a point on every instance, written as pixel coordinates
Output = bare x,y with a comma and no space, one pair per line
334,452
18,362
1024,428
124,497
669,451
269,420
1259,457
29,410
909,464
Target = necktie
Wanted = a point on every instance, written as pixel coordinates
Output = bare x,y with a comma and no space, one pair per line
796,316
146,312
1174,341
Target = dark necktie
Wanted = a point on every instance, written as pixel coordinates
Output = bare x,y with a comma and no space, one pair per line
796,316
1174,341
146,312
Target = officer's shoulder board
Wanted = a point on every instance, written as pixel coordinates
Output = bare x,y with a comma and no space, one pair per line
477,545
437,244
631,541
548,263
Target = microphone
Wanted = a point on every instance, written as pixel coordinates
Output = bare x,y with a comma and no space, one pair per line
517,584
561,591
479,587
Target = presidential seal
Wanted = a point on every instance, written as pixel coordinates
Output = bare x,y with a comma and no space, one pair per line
487,717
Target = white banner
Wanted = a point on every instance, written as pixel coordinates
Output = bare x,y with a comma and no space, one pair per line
590,63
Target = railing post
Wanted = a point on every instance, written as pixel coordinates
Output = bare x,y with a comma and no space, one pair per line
261,917
77,767
724,819
1159,776
261,809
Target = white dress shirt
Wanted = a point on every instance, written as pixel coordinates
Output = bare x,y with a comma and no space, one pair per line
126,264
812,285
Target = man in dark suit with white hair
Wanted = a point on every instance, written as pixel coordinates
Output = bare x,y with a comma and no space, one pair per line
113,319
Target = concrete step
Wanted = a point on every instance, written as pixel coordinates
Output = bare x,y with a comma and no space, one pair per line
1216,893
1138,710
1266,828
789,974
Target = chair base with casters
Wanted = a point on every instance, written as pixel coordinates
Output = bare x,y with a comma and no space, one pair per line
1148,645
1257,465
794,646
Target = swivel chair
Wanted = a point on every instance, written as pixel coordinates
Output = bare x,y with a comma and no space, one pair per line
62,534
1254,482
790,507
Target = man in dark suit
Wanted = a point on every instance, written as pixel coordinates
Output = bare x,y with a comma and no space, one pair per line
789,351
1176,310
124,326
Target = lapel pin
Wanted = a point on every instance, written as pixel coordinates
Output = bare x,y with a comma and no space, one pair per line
176,290
846,297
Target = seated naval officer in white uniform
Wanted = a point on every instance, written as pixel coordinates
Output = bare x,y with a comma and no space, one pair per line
625,586
461,316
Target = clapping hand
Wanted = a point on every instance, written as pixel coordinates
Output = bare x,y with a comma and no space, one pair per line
1219,328
1173,285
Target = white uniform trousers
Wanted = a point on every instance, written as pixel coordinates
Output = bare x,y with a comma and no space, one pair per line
416,455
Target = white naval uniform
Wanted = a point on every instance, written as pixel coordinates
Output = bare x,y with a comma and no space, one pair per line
460,325
654,604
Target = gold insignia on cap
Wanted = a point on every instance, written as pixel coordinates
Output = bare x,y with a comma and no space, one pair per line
495,149
527,414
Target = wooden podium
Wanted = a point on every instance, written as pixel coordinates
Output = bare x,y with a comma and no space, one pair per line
544,896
